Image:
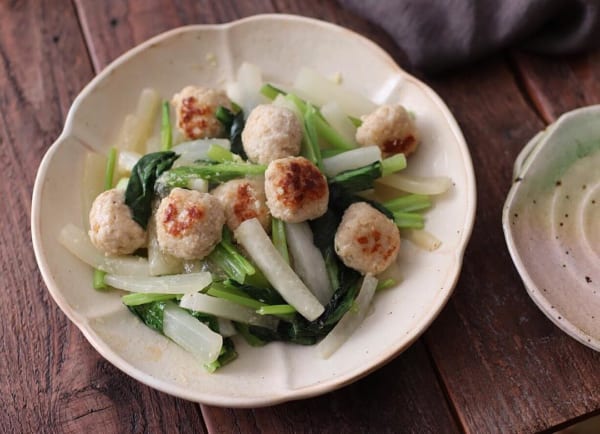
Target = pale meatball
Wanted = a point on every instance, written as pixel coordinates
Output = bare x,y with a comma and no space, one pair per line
195,109
366,240
391,128
189,223
112,229
244,199
296,190
271,132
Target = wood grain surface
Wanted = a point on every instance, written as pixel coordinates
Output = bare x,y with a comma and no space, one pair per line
490,363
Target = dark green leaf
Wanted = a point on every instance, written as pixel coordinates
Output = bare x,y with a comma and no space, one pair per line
151,314
234,125
140,188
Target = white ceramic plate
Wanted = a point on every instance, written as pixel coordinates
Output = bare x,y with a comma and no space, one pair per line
280,45
552,222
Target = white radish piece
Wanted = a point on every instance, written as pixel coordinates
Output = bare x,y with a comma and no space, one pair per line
339,121
353,159
126,161
251,235
76,240
319,90
350,320
194,150
175,284
422,238
190,334
417,184
308,261
93,182
159,262
226,328
226,309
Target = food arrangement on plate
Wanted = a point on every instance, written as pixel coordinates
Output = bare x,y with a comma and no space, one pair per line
405,298
264,213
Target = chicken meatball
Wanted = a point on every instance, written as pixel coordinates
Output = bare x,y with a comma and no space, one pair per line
391,128
112,229
195,109
366,239
271,132
242,200
189,223
296,190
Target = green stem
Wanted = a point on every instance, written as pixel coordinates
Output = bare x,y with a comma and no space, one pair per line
393,164
409,220
385,284
279,238
271,91
166,135
331,136
226,293
138,298
312,138
277,309
408,203
99,279
219,154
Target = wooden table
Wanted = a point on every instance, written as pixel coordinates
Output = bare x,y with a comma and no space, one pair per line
491,362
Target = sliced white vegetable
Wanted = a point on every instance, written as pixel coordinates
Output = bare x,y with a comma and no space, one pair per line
226,309
417,184
137,127
226,328
198,184
353,159
159,262
122,184
308,261
246,91
339,121
251,235
93,182
126,161
192,335
351,319
319,90
175,284
76,240
422,238
189,152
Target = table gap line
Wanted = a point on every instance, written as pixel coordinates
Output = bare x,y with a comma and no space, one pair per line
459,423
85,32
528,91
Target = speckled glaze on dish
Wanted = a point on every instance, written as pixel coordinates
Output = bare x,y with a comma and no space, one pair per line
552,222
210,55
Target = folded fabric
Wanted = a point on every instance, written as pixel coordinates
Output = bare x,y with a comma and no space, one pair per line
440,34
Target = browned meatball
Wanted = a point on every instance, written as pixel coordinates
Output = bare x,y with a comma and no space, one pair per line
271,132
391,128
189,223
366,239
242,200
296,190
112,229
195,109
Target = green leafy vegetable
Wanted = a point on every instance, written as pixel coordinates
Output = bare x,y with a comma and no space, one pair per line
219,172
279,239
138,298
234,125
151,314
140,189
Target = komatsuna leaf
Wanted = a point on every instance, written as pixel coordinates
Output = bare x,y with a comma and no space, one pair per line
140,188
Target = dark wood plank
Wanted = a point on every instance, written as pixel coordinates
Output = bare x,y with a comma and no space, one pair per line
505,366
560,84
402,397
50,378
407,386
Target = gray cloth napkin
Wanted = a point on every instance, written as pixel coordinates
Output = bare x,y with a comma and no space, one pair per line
440,34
